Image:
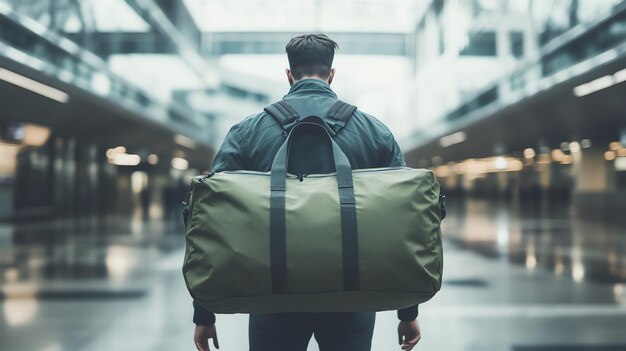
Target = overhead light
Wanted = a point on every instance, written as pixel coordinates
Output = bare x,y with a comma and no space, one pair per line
35,135
34,86
574,146
452,139
585,143
557,155
600,83
593,86
529,153
126,159
153,159
476,168
620,76
114,151
616,145
180,163
501,163
184,141
565,146
609,155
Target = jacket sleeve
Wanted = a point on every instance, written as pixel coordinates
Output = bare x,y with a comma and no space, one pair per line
392,157
230,157
202,316
408,314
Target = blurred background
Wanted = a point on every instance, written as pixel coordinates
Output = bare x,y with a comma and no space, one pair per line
108,107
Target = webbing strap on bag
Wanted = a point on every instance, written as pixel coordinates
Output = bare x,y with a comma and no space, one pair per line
339,114
278,231
285,115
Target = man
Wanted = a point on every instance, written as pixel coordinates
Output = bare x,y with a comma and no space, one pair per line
252,144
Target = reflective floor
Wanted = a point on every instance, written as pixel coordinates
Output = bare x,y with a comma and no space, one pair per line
520,279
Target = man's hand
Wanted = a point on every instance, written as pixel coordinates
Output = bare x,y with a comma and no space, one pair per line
202,335
408,334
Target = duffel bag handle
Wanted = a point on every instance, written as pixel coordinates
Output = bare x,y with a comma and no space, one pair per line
280,163
278,230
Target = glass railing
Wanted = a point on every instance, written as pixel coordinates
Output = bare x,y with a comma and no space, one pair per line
582,44
25,41
576,51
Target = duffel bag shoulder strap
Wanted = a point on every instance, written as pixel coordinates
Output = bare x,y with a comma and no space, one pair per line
339,114
283,114
347,204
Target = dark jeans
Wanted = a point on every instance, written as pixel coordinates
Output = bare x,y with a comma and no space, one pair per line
292,331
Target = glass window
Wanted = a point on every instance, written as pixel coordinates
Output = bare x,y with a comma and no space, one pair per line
480,44
517,44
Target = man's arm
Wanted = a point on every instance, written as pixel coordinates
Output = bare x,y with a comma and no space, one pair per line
205,328
229,157
391,155
408,329
408,314
202,316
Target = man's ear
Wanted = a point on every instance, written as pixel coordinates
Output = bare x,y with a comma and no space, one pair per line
289,76
331,76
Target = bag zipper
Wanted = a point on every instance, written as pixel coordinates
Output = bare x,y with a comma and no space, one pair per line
301,177
363,170
202,178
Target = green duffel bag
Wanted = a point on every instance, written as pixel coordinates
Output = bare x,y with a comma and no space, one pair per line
354,240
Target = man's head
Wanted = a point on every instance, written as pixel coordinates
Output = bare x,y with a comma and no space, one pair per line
310,56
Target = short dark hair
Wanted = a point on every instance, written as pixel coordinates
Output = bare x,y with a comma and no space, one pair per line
311,55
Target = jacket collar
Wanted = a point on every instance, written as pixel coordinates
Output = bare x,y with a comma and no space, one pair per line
311,86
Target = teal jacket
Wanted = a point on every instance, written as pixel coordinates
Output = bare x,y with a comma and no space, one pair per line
252,144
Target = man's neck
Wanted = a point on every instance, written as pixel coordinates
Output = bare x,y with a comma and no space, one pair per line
325,80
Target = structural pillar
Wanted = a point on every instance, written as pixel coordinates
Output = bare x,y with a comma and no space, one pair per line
592,187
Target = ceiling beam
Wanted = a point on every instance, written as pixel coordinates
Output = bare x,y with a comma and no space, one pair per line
361,43
156,18
223,43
